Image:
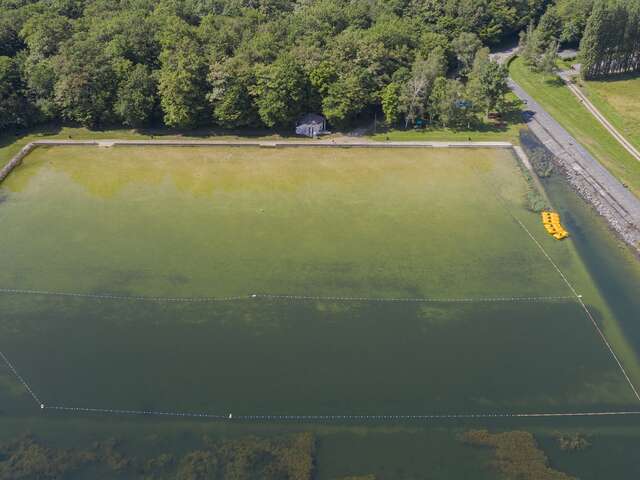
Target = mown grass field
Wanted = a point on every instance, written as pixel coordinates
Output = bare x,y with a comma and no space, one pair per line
556,98
618,99
482,132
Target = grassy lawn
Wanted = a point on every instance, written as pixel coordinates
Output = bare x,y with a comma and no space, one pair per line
481,133
508,134
556,98
619,100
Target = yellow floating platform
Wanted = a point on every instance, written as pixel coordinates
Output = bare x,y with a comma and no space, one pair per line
551,222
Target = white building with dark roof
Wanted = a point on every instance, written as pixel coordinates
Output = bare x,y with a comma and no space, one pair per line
311,125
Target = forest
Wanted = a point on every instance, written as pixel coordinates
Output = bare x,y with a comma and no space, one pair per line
262,63
611,41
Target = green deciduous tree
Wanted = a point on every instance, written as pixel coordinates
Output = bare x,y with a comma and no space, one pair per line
86,82
15,110
574,15
181,79
230,82
44,33
465,47
391,107
450,106
240,63
280,91
418,87
488,84
345,97
136,96
547,63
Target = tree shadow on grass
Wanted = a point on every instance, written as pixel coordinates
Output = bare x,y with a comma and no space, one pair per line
216,132
46,130
554,81
12,136
513,115
618,77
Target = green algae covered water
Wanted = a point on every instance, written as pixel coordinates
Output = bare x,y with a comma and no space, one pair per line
304,283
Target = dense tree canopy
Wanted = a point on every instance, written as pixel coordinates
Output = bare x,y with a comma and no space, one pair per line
253,63
611,41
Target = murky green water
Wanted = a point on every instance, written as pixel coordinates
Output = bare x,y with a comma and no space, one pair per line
235,221
253,357
366,223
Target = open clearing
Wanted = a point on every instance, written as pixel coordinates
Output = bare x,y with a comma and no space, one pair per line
618,99
295,281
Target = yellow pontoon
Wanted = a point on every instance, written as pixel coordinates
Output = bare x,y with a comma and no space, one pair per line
551,222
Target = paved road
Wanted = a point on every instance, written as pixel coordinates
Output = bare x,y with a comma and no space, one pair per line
612,194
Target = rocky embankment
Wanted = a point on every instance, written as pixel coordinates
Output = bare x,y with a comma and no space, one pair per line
587,176
593,194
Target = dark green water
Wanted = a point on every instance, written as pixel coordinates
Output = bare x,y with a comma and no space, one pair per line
251,357
613,268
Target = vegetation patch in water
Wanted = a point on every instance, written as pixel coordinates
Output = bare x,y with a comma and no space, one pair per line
572,442
27,457
359,477
282,458
516,454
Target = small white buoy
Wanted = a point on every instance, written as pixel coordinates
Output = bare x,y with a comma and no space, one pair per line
230,416
254,295
42,406
579,296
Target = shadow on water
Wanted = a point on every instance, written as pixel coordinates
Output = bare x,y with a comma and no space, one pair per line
609,263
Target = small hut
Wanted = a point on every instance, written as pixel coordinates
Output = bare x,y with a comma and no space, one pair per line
311,125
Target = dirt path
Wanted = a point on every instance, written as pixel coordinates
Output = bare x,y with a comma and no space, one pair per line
567,76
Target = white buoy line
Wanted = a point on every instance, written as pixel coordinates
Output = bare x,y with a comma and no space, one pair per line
22,380
267,296
584,307
108,296
417,300
577,296
320,418
297,418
